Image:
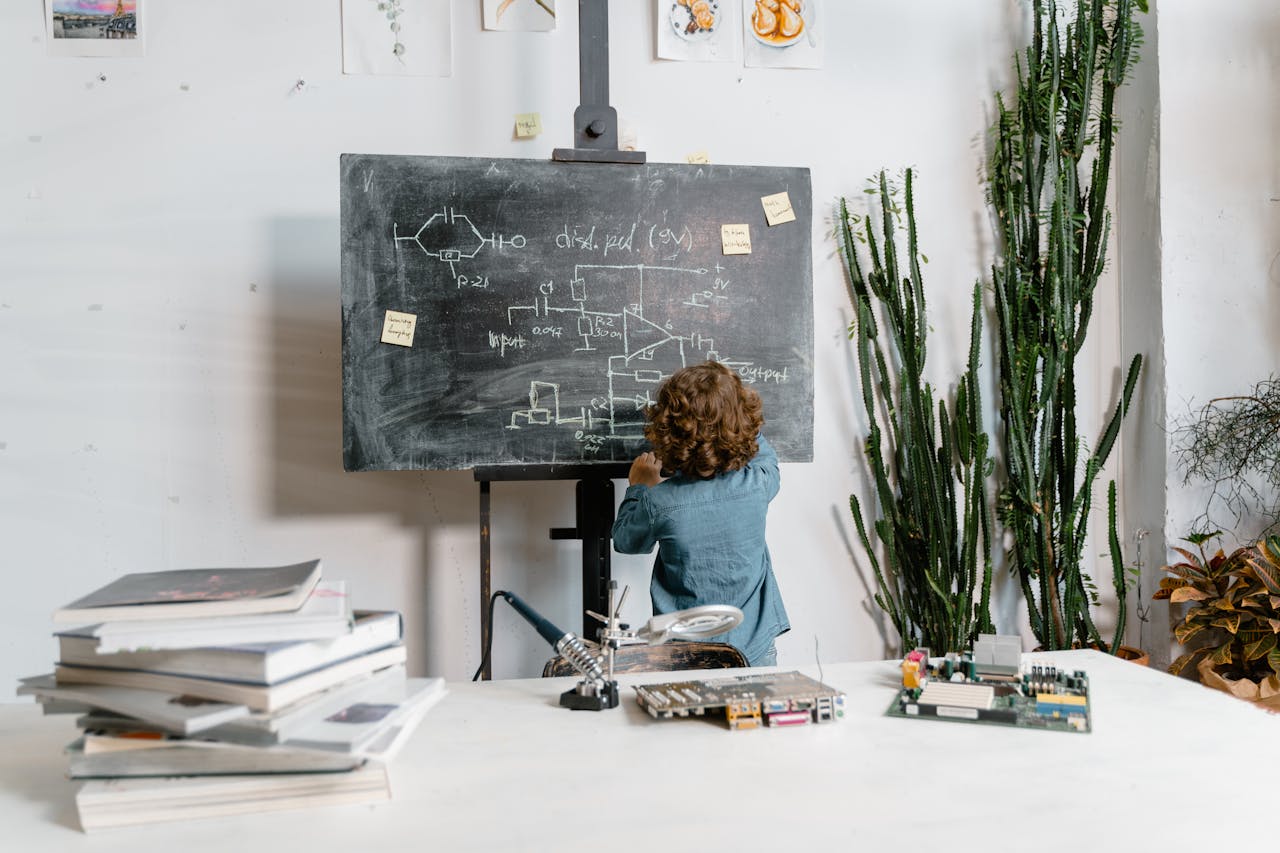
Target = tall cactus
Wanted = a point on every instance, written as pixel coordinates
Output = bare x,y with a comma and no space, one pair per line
1048,178
930,478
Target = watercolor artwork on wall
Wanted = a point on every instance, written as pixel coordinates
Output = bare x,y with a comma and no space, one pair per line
522,15
94,27
697,30
407,38
782,33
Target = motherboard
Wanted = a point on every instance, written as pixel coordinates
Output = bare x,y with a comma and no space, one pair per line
747,701
984,688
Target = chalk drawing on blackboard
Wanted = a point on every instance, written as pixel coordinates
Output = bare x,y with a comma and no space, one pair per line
605,315
453,237
553,350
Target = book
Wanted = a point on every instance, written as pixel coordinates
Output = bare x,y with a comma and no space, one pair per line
376,723
372,722
99,755
183,593
255,696
107,803
170,711
55,707
325,614
259,728
254,663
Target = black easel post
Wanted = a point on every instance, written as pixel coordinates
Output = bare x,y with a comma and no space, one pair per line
595,137
594,497
595,123
594,501
486,566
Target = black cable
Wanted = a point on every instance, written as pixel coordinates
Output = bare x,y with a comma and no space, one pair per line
488,638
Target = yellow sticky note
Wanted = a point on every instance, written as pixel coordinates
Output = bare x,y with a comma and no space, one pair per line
397,328
697,157
736,239
777,208
528,125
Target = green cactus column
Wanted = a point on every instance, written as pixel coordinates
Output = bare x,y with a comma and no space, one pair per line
930,476
1048,177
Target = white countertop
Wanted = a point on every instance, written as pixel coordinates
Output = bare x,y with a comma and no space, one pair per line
500,766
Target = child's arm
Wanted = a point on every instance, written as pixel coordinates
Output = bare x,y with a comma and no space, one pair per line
633,529
766,463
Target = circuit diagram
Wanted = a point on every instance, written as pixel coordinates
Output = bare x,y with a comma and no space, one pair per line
451,237
604,314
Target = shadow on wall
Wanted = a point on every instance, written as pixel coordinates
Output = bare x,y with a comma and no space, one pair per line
305,390
437,508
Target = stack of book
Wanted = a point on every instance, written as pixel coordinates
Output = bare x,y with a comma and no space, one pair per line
208,692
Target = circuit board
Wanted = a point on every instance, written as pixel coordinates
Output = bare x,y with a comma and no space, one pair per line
1042,698
747,701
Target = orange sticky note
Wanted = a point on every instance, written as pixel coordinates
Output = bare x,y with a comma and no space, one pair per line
736,239
397,328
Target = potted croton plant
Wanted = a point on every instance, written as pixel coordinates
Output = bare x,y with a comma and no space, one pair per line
1232,622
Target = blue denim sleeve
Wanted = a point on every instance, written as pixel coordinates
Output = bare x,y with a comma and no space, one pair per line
633,528
765,463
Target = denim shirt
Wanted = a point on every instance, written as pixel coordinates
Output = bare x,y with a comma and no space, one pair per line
711,546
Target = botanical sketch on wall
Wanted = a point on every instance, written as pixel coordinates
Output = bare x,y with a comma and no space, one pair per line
94,27
782,33
698,30
523,15
410,38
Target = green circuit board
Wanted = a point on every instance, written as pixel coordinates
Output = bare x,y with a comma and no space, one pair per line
1042,699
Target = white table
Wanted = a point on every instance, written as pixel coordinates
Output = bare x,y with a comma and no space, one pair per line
499,766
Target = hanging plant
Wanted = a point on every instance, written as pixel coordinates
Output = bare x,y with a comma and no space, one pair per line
1233,445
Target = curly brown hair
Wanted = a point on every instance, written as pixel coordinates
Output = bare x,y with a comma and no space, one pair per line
705,421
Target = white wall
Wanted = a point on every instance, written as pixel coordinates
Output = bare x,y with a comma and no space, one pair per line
169,324
1136,260
1219,191
1220,213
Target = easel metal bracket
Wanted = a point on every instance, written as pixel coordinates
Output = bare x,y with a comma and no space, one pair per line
595,123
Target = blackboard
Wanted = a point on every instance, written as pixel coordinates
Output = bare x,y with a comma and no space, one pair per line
551,299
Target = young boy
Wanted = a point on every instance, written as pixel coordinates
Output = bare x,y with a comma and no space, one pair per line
708,518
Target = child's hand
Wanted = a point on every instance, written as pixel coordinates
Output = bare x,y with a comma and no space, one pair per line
646,470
